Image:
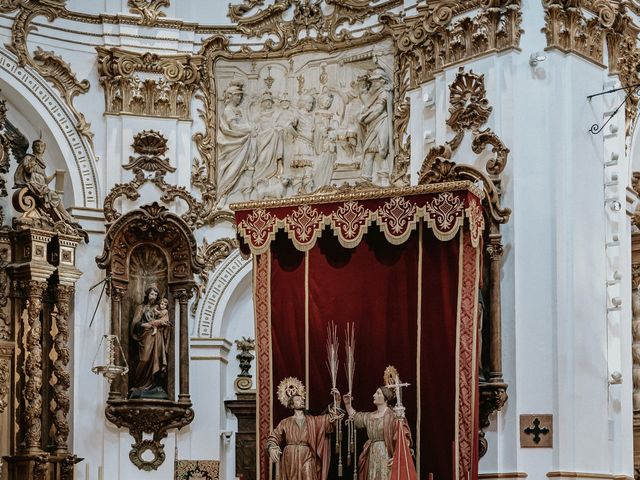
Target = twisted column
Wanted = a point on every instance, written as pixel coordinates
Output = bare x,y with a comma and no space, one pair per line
32,395
60,377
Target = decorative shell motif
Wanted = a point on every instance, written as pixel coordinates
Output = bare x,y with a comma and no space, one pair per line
149,142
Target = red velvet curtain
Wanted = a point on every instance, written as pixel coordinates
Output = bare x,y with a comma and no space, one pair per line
413,305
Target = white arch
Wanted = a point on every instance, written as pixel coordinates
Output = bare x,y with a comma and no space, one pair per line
220,290
27,89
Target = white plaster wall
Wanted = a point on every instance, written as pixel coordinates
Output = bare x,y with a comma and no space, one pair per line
559,342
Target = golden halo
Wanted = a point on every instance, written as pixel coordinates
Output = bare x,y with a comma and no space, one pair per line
390,375
288,388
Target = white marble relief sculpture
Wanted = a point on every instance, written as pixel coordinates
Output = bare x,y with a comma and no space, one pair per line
303,126
236,148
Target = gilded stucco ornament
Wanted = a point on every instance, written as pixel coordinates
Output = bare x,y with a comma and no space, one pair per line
469,111
309,25
150,167
46,63
148,84
149,10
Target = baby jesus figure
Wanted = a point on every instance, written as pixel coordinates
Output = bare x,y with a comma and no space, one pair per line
161,315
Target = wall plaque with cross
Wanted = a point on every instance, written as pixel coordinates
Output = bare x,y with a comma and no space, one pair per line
536,431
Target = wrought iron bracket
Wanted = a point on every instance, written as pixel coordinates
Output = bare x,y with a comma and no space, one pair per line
631,89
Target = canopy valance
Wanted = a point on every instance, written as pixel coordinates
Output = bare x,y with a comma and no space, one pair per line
443,207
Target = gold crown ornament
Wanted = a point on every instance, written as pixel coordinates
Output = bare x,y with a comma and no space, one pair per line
390,375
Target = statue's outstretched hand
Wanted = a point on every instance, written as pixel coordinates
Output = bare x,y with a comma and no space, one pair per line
274,454
347,398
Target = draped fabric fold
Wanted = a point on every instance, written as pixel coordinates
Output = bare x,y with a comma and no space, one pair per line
410,289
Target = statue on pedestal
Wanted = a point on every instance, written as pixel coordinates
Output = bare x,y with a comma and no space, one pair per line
34,194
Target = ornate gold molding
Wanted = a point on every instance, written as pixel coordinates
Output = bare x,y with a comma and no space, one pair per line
149,145
438,37
469,111
122,75
149,10
55,70
309,26
59,74
568,29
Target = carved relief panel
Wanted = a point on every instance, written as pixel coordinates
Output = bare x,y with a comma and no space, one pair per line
293,126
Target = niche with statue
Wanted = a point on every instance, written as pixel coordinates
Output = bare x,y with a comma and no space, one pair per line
150,258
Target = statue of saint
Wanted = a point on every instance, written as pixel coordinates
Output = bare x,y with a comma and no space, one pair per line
300,444
383,427
31,174
151,331
236,148
374,120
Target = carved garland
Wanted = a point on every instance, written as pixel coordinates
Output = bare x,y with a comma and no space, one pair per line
60,377
46,63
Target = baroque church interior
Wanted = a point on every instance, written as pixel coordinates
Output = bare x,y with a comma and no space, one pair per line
319,239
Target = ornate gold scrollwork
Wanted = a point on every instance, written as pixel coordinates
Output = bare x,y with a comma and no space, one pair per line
307,16
50,66
150,146
149,10
469,110
146,416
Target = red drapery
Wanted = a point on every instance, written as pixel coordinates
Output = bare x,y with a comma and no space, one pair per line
404,267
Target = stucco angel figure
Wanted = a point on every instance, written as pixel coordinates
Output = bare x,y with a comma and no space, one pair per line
151,331
383,426
31,174
300,444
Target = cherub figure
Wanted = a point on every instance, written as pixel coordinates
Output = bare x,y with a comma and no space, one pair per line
161,315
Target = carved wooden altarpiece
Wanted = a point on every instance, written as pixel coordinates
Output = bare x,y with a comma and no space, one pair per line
37,285
150,248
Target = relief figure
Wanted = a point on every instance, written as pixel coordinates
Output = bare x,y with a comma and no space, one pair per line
326,126
374,119
236,148
270,142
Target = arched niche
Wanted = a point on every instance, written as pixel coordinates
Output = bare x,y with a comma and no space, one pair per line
145,249
26,89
